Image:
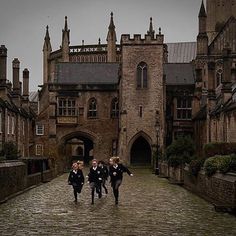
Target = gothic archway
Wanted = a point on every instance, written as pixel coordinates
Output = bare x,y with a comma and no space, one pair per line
141,152
78,146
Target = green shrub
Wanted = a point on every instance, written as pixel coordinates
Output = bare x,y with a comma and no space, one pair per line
180,151
195,165
222,163
212,149
210,166
10,151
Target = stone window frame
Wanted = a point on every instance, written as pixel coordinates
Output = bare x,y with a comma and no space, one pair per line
114,147
142,75
140,111
23,127
184,108
115,108
8,124
39,129
39,149
13,125
66,106
92,108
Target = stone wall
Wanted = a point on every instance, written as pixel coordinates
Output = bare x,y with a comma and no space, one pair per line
219,189
14,178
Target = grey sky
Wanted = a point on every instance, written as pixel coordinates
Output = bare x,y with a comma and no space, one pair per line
23,23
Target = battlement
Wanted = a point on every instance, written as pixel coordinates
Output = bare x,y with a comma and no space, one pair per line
137,39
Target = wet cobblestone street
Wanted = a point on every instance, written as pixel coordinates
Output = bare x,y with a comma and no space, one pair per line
148,206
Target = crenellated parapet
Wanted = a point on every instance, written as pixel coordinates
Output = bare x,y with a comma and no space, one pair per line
137,39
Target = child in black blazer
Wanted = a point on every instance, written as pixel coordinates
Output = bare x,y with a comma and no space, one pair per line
76,179
116,171
95,179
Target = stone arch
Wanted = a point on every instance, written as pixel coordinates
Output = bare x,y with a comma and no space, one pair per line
72,141
140,150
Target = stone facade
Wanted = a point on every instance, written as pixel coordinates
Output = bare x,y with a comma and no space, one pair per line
214,96
16,116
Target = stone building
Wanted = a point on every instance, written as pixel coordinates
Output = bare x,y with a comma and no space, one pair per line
215,64
134,97
16,116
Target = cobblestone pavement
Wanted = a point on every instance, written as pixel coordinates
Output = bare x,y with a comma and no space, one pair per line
148,206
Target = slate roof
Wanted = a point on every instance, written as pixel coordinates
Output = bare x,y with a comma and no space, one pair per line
179,73
183,52
87,73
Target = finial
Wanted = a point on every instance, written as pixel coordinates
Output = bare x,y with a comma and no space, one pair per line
111,26
66,25
202,12
99,41
159,30
82,42
47,34
151,32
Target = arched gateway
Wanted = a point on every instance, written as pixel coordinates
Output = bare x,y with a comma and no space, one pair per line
140,152
78,146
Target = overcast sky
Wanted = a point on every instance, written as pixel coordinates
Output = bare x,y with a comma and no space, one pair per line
23,23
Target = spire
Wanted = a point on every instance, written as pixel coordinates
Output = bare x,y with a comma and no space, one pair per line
65,42
66,25
66,31
99,41
111,30
111,26
202,12
151,32
47,44
111,41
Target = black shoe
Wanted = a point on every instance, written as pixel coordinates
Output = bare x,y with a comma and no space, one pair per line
99,195
116,202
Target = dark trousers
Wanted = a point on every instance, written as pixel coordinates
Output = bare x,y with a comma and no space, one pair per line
115,186
95,186
104,185
77,189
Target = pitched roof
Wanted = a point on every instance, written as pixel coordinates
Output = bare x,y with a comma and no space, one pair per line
179,73
87,73
183,52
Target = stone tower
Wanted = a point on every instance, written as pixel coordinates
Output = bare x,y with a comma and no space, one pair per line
218,12
141,97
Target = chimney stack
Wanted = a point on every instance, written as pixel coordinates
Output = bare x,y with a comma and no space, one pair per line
3,64
16,80
26,83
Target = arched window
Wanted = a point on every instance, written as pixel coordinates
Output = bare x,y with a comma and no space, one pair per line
219,77
114,108
142,75
92,108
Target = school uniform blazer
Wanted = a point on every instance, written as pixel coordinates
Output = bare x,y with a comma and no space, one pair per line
105,173
76,179
119,172
95,176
